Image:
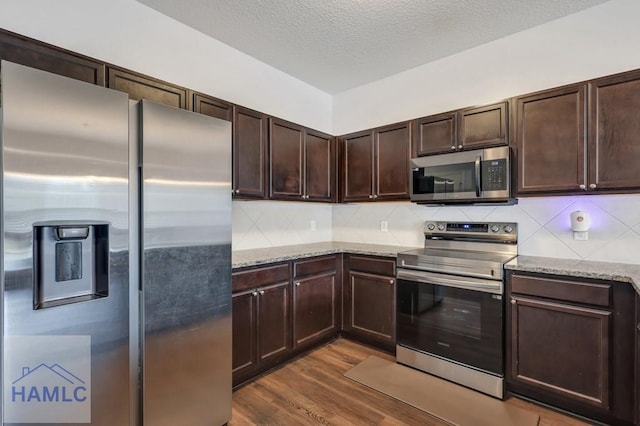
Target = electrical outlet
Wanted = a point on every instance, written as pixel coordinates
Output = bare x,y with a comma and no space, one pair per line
313,225
581,236
384,226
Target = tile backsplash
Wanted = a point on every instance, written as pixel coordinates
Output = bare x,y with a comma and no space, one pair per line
543,224
258,224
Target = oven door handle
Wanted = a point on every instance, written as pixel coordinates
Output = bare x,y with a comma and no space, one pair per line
485,286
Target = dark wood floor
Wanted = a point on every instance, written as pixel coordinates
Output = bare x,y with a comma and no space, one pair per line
312,390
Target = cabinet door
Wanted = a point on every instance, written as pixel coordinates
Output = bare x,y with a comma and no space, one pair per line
392,145
25,51
286,158
637,324
315,308
212,107
139,87
249,153
320,167
434,134
483,127
274,323
358,166
244,335
371,306
580,343
614,139
551,141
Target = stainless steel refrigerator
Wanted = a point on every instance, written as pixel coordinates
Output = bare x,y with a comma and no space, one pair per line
116,257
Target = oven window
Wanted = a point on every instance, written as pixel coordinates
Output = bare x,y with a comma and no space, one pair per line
451,314
446,179
457,324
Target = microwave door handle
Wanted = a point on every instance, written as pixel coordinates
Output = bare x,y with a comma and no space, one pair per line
478,158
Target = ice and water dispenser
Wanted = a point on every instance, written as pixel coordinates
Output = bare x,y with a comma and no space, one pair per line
71,263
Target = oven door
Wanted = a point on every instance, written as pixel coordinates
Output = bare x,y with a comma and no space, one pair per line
457,318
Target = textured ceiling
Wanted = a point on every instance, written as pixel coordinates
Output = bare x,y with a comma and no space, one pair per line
335,45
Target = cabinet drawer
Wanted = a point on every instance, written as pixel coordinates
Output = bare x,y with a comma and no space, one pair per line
373,265
259,277
570,291
314,266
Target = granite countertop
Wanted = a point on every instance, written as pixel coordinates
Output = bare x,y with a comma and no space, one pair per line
610,271
253,257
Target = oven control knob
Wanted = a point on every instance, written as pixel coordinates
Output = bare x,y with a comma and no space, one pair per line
495,228
441,227
508,229
431,227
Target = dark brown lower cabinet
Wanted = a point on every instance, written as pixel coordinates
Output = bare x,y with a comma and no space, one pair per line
638,359
317,297
369,300
570,343
261,320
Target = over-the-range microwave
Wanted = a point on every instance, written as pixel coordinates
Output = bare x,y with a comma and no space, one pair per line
475,176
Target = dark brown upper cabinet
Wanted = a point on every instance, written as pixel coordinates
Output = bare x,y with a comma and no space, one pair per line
580,138
212,107
614,132
302,163
434,134
483,127
551,140
140,87
375,164
250,129
469,128
25,51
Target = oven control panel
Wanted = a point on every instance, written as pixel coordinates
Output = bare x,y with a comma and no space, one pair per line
481,230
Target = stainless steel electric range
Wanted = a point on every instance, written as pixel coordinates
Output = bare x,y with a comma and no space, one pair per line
449,303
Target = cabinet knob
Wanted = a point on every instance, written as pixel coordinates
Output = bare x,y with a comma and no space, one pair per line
375,196
370,196
255,293
453,147
592,186
261,292
298,284
582,186
459,146
391,282
513,301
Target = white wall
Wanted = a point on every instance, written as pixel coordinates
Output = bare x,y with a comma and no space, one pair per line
129,34
598,41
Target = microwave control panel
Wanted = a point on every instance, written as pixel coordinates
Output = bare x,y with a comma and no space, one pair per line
494,175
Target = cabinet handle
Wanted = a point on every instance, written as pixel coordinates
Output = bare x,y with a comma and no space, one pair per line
255,293
261,292
638,327
453,147
298,284
582,186
391,282
459,146
592,186
513,301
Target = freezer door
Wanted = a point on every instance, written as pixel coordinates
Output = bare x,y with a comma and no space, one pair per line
65,295
186,285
